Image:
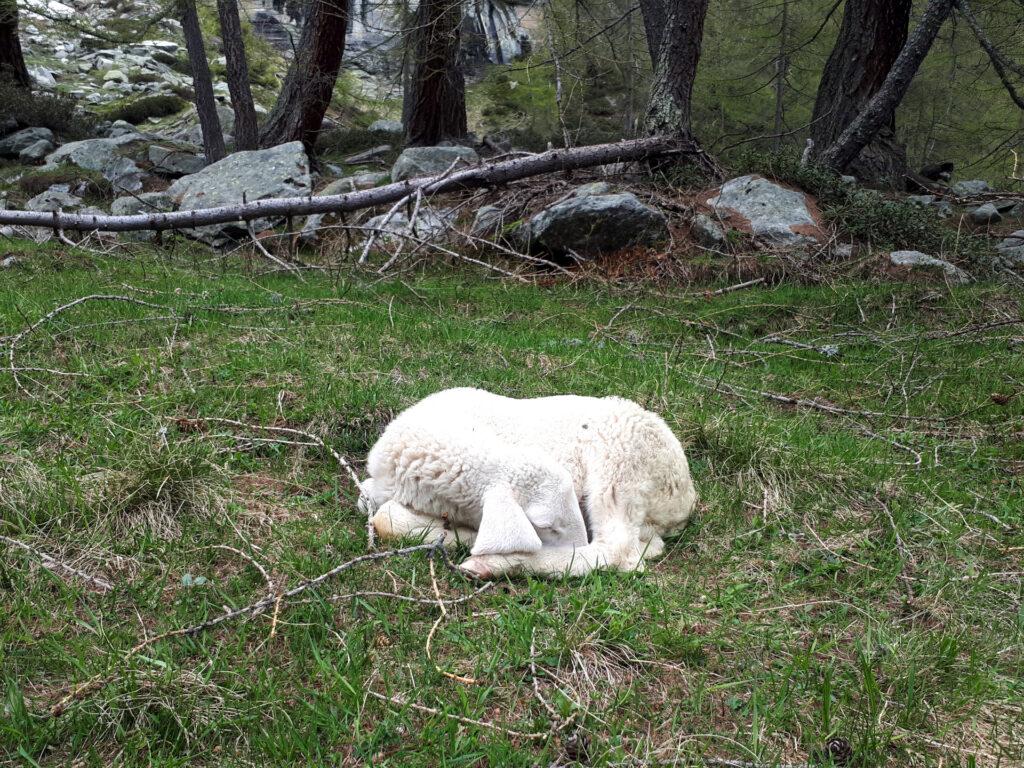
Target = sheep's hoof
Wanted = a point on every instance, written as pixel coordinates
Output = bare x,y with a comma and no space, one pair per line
476,568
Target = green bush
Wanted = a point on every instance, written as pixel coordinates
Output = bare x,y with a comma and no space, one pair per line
37,182
138,111
58,113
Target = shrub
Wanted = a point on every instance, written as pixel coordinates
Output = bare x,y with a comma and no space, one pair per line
37,182
58,113
137,111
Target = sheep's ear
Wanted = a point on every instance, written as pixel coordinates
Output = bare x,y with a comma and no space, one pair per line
504,527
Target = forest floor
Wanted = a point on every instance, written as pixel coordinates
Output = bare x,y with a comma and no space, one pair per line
854,574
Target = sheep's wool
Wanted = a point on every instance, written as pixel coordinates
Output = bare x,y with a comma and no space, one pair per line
515,479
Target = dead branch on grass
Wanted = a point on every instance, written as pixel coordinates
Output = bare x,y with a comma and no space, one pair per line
51,563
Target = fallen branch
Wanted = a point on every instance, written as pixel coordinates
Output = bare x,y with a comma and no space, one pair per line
53,564
483,175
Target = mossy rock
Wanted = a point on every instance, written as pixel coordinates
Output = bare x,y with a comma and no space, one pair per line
36,182
136,111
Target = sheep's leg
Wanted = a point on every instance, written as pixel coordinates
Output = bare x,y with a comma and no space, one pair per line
561,561
396,521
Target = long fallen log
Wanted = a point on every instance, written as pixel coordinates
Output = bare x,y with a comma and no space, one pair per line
483,175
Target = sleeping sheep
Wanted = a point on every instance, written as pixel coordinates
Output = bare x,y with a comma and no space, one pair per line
551,485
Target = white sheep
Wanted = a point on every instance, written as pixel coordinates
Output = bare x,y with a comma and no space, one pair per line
525,481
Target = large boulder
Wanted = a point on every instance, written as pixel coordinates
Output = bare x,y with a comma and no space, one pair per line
35,152
387,126
145,202
16,143
281,171
594,224
915,261
985,215
107,156
54,199
429,161
311,229
772,213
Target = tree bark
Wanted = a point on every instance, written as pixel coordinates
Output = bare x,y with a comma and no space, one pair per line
872,35
1000,62
309,85
437,99
675,67
781,72
202,82
878,113
246,135
483,175
12,61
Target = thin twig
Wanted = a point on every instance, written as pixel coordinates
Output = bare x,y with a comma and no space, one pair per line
53,564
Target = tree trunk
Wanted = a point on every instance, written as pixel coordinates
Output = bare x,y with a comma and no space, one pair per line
668,109
871,37
877,114
781,72
437,99
309,85
12,62
202,82
246,136
483,175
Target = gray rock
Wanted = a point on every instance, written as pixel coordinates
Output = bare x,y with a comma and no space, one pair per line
104,156
593,188
387,126
8,262
43,77
428,161
985,215
914,260
1005,206
121,128
13,145
53,200
427,224
848,180
174,163
969,188
771,212
488,221
35,152
596,224
921,200
281,171
115,76
1011,250
708,232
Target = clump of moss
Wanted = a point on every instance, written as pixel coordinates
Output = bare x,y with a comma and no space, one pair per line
138,111
95,185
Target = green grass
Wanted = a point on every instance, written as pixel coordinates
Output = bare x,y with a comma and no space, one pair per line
829,588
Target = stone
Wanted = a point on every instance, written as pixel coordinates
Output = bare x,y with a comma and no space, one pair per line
35,152
115,76
174,163
849,181
13,145
985,215
593,188
368,156
708,232
915,260
281,171
427,224
970,188
596,224
53,200
43,77
772,213
8,262
387,126
104,156
1011,250
121,128
429,161
921,200
161,45
487,222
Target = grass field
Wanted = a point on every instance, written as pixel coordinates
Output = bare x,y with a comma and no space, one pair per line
851,586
